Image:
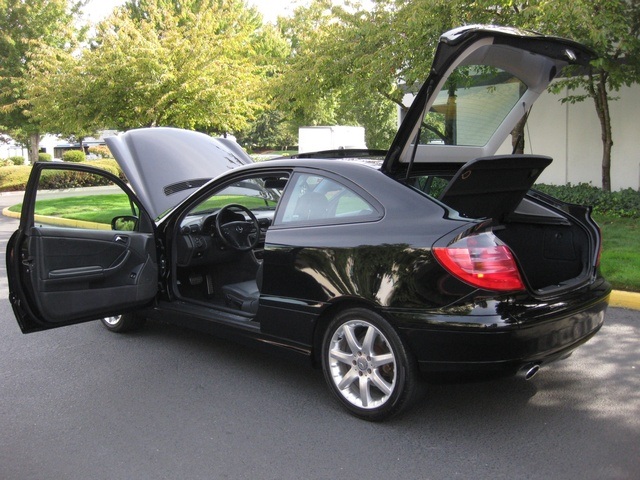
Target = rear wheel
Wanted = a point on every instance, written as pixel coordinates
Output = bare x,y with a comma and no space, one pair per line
366,365
126,322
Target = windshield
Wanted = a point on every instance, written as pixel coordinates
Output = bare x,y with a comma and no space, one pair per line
253,193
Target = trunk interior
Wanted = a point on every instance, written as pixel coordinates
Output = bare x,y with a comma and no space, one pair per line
553,249
552,253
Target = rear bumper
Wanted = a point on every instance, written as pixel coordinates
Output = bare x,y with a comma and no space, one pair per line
505,341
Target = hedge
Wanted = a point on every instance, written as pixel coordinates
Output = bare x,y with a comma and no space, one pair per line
620,204
44,157
75,156
16,160
14,178
56,179
101,151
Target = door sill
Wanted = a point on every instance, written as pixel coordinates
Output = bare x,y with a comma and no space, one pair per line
215,314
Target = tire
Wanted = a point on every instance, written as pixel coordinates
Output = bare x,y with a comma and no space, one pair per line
127,322
367,366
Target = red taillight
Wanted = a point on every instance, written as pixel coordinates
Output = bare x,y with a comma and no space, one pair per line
482,261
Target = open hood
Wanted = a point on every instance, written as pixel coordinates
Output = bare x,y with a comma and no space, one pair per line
166,165
483,80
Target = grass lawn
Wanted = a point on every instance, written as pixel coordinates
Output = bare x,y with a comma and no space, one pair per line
102,208
621,252
98,208
621,236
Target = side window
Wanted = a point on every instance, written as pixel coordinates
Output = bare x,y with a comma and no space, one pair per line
321,200
432,185
84,200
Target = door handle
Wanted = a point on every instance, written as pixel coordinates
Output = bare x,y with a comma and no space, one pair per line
122,239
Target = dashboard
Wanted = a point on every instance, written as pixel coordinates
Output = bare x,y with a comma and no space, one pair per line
200,244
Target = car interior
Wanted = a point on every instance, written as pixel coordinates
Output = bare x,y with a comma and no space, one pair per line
220,244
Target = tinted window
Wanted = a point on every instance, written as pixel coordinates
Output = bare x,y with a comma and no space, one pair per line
83,200
319,199
471,106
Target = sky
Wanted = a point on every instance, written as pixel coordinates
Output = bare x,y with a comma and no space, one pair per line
270,9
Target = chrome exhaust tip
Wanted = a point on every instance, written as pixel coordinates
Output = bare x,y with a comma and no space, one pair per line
529,371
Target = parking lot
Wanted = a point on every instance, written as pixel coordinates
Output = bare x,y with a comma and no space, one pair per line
80,402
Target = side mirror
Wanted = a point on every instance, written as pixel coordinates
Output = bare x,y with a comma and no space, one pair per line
127,223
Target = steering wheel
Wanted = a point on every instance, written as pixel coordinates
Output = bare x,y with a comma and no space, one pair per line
241,235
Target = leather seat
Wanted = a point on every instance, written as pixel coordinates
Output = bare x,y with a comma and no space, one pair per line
244,295
311,206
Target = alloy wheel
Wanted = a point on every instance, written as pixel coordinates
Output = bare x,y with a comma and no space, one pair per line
362,364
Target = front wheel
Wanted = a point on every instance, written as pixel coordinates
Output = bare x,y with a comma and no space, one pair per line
126,322
367,366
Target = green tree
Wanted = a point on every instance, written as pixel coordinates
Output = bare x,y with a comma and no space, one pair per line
57,88
24,26
196,64
192,69
270,129
306,89
352,63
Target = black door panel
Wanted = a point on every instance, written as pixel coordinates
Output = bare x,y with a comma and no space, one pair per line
75,273
63,270
62,249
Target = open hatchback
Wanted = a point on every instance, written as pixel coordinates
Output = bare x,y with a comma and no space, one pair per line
436,258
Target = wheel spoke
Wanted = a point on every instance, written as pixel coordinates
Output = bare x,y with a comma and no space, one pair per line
381,383
351,339
365,392
380,360
369,339
348,379
342,357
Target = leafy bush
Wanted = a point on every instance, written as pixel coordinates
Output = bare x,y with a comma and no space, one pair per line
75,156
56,179
17,160
101,151
44,157
111,166
620,204
14,177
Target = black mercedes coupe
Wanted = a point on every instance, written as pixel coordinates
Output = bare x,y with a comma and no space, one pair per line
381,268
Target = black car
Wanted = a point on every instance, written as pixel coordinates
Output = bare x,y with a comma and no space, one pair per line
379,267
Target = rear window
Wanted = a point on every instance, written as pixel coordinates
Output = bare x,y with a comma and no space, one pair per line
471,106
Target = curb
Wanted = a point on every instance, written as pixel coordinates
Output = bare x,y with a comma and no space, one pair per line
622,299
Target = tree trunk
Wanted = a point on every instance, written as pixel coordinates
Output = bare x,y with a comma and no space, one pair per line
607,138
517,136
599,93
34,147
